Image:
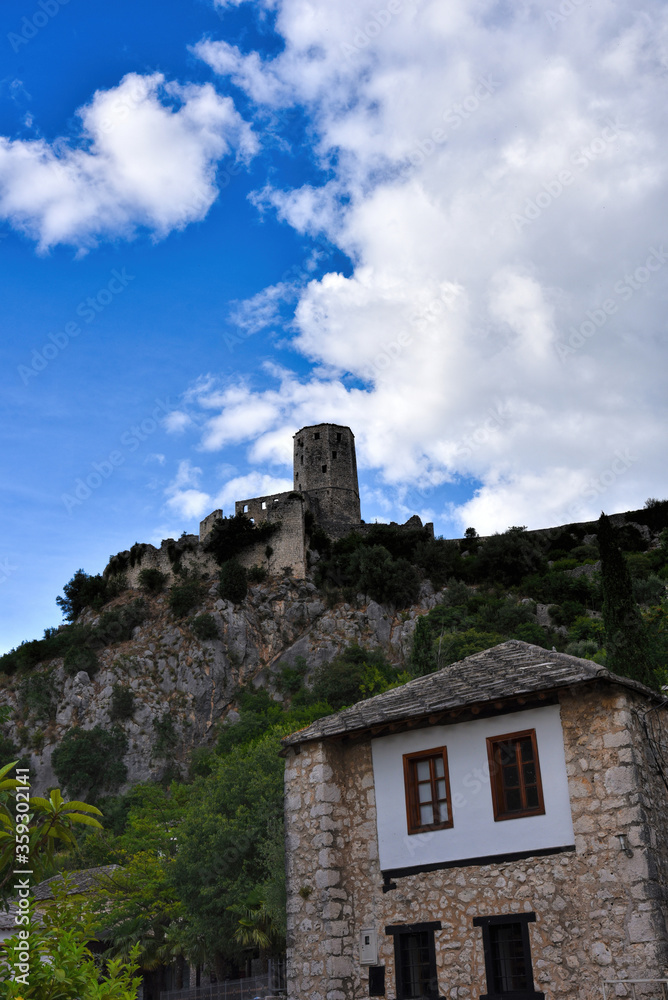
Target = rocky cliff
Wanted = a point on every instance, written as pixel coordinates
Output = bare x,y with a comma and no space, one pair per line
191,683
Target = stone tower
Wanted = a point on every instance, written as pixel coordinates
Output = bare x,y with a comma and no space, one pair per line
325,470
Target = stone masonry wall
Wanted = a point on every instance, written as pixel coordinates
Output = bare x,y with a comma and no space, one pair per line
599,914
288,544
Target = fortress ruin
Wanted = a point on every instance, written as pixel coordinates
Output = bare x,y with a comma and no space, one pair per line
325,497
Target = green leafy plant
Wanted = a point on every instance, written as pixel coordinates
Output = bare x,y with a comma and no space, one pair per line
62,966
256,574
36,695
152,580
80,658
91,760
204,627
183,597
49,822
231,535
233,581
167,737
122,703
626,637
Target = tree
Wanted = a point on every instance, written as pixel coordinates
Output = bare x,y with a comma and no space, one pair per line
223,855
84,591
233,584
626,638
423,657
87,759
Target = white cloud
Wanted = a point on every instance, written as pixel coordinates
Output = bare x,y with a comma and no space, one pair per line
260,310
183,497
496,180
146,157
177,421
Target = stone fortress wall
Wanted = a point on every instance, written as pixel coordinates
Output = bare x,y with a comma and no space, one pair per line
325,486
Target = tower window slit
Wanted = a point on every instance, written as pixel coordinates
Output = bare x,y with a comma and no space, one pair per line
324,468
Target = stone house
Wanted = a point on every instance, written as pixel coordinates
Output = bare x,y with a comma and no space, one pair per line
498,829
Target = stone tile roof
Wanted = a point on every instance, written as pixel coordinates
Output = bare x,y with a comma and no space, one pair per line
80,881
509,670
7,921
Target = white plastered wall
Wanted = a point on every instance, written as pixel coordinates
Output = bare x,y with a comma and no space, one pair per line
475,833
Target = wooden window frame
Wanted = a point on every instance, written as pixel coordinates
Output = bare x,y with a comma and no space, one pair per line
496,778
523,919
410,788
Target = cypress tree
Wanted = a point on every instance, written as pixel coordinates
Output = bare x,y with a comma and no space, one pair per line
626,638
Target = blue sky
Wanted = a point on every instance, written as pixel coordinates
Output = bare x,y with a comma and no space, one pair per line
438,223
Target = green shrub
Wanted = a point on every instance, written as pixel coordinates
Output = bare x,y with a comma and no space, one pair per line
80,658
233,582
256,574
231,535
118,624
183,597
90,761
586,628
509,557
84,591
534,633
35,695
152,580
204,627
166,737
649,591
354,674
585,648
291,678
122,703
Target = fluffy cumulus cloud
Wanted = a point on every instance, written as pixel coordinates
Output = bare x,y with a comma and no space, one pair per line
497,174
146,156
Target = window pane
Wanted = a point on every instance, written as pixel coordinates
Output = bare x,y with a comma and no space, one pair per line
415,978
532,797
506,753
426,815
529,773
422,769
509,963
440,788
513,800
511,777
424,792
527,749
442,812
438,767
